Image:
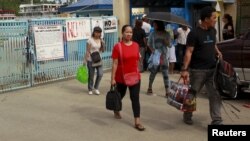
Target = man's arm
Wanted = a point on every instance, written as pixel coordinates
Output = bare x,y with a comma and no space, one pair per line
186,62
187,58
219,54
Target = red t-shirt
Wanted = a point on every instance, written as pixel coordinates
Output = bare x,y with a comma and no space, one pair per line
130,57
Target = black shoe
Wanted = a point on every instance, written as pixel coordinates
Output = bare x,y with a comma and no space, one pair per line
187,118
188,121
216,122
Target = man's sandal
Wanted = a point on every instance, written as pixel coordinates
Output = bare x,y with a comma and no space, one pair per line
139,127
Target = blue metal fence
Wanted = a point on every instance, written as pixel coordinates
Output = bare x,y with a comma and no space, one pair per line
19,65
14,70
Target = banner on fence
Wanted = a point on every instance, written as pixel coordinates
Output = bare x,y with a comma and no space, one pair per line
78,29
110,25
48,42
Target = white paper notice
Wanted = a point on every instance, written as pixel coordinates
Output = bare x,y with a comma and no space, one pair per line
48,42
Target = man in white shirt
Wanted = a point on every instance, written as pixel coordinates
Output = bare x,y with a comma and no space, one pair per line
182,33
145,25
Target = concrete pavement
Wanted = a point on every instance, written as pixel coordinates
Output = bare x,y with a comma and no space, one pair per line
63,111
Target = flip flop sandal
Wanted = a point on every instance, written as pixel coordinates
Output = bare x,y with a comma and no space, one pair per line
246,105
139,127
117,115
150,92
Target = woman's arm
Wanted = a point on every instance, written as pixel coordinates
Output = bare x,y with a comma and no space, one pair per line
150,42
167,39
114,68
230,29
87,54
102,48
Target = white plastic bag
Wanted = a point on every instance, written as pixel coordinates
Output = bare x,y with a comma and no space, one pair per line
154,61
155,58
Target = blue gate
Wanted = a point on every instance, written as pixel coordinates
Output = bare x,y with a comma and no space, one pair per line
14,70
18,56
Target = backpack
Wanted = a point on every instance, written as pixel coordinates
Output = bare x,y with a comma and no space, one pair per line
225,79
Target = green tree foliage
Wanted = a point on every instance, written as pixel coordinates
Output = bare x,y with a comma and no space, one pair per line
14,4
9,5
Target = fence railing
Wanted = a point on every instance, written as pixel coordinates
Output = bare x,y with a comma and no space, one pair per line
18,57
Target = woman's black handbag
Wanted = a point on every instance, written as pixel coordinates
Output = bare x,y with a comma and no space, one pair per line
113,100
96,57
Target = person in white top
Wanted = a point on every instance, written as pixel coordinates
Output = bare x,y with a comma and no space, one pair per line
145,25
171,49
182,33
94,44
147,28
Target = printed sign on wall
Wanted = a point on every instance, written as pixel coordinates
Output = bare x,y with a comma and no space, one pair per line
110,25
48,42
78,29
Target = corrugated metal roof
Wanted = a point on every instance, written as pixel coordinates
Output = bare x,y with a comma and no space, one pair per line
88,4
91,2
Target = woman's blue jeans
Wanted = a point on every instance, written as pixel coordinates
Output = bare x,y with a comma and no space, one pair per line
91,73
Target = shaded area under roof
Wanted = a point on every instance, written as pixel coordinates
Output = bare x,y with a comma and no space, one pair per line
224,1
167,17
87,5
158,3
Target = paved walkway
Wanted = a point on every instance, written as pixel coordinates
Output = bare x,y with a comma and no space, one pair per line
63,111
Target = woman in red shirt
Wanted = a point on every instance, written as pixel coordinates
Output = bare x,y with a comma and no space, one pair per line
130,57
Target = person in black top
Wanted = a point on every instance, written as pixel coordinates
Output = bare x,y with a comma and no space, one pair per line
228,29
200,62
139,36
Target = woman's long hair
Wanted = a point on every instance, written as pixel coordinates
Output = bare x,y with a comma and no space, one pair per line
229,18
96,29
160,25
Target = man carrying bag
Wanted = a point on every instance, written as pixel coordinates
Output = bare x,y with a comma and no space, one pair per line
200,62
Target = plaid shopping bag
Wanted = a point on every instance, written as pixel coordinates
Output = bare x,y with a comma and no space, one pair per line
181,97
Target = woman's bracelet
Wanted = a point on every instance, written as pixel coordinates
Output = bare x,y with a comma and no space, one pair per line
184,69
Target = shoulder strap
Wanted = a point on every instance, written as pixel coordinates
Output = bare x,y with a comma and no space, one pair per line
120,50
